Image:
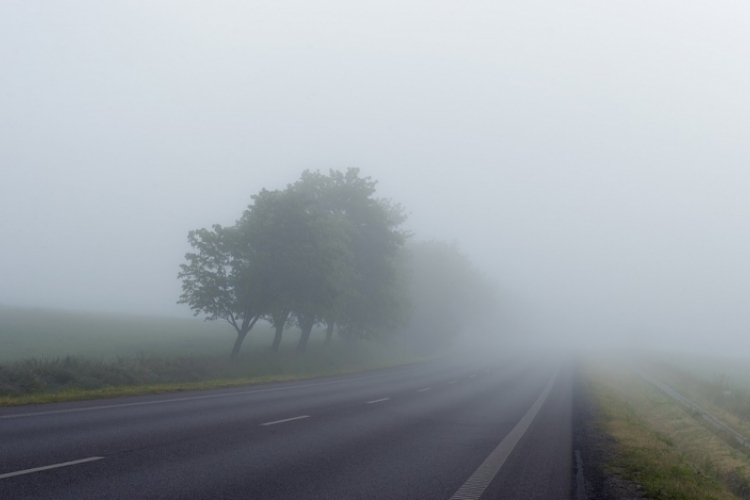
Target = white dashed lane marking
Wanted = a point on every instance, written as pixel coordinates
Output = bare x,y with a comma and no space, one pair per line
286,420
48,467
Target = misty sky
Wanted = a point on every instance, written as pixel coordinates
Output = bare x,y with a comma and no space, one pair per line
592,156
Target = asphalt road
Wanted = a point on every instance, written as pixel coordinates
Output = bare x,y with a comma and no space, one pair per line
497,430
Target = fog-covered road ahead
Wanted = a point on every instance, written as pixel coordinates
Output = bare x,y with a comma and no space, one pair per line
417,432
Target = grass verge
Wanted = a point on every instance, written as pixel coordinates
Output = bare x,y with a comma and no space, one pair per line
77,378
660,447
721,392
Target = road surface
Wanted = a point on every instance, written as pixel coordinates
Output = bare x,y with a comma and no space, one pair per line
437,430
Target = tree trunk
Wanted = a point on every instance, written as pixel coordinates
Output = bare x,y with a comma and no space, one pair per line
242,332
306,329
238,343
329,332
277,338
279,322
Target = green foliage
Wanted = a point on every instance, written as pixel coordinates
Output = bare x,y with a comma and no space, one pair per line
373,298
322,250
221,279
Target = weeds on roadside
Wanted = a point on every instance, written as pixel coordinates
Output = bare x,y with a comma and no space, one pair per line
667,455
75,377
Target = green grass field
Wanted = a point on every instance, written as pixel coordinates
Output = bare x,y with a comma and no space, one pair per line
39,333
56,356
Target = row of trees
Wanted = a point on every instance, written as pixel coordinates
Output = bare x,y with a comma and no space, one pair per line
324,250
450,300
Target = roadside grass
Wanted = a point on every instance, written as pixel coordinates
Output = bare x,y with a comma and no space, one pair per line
48,356
78,378
719,385
659,446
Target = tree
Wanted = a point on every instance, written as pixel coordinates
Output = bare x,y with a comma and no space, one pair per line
448,294
220,280
267,225
372,298
303,256
323,250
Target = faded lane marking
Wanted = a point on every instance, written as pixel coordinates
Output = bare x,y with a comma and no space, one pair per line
48,467
425,389
377,401
286,420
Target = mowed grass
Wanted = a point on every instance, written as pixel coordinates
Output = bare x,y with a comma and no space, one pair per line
63,356
659,446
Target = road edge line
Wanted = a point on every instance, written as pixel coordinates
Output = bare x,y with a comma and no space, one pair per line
474,487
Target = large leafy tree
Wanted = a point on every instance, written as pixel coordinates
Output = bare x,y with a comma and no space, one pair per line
220,279
372,298
303,254
323,250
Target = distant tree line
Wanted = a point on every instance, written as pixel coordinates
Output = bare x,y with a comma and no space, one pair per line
449,298
325,251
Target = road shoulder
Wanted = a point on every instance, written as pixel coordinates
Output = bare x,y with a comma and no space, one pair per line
597,450
646,438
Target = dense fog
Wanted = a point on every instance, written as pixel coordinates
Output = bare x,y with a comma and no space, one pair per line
590,158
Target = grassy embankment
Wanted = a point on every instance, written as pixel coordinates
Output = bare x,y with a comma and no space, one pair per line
659,446
50,356
720,385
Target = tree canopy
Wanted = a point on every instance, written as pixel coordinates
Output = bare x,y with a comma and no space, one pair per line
221,279
323,250
326,251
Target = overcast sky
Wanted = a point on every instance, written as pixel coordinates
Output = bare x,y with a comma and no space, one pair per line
592,156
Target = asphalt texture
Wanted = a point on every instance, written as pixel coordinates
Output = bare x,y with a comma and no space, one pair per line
415,432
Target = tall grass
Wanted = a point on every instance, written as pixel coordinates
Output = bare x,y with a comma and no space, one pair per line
63,374
657,445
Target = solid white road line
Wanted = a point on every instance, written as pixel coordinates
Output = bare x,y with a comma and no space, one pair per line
286,420
377,401
48,467
473,488
425,389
